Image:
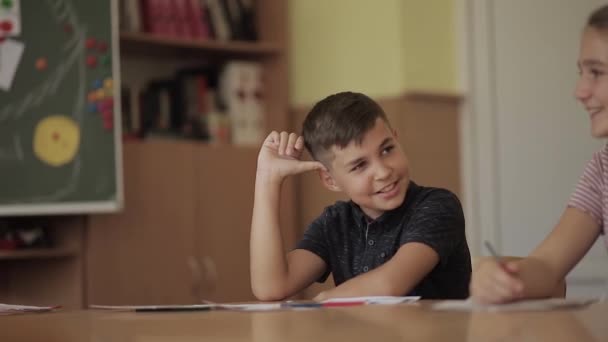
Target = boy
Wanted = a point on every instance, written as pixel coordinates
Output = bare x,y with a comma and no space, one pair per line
392,238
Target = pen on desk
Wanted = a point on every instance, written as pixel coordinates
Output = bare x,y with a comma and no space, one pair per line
325,304
174,308
301,305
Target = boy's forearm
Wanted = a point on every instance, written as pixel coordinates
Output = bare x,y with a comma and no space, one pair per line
268,260
368,284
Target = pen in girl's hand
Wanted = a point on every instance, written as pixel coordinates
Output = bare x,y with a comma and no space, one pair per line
496,256
492,251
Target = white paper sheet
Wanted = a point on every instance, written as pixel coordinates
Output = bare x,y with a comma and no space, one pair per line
252,307
10,56
382,300
7,309
525,305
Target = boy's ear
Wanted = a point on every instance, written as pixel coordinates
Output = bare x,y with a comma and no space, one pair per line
328,181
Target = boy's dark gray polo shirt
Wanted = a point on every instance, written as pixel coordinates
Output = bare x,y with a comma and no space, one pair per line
351,244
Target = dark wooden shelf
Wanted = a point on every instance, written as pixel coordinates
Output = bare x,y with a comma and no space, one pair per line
152,45
38,253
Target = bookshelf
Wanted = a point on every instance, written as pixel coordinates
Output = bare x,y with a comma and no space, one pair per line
184,233
39,253
157,45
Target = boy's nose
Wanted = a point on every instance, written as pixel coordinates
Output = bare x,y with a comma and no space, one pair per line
382,171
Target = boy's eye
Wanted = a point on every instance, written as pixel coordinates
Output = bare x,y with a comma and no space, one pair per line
358,167
388,149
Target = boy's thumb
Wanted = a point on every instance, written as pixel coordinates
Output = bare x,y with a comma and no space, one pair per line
311,166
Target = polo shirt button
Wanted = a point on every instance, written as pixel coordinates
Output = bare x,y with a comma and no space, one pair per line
365,268
370,242
382,255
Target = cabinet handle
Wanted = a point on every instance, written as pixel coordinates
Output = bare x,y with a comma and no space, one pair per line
204,277
197,277
210,274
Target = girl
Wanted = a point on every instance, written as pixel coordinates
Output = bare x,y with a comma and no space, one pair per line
584,219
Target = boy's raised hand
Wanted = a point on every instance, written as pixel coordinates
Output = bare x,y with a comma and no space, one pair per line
280,155
494,283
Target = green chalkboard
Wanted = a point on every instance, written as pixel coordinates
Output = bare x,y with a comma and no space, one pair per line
60,146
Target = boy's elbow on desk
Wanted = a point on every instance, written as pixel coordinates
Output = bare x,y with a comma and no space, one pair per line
268,293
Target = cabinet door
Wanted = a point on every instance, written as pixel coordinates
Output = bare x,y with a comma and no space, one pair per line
225,186
142,255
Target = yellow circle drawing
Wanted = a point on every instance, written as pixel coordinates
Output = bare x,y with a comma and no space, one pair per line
56,140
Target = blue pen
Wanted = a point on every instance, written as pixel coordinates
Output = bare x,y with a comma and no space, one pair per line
301,305
174,308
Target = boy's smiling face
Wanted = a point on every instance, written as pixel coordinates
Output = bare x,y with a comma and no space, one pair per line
374,174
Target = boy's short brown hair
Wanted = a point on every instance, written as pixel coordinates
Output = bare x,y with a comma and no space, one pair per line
339,119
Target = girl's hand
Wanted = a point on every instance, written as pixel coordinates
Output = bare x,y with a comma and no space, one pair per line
494,282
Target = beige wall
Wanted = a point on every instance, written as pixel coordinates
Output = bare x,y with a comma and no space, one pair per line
345,44
429,45
382,47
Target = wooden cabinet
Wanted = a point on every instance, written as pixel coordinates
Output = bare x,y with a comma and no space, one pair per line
184,233
141,255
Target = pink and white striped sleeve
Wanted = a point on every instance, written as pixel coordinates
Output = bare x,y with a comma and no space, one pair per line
588,193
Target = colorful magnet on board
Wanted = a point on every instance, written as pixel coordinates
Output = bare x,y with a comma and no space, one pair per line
108,83
107,115
6,26
7,4
100,94
108,123
92,107
97,84
41,64
102,47
91,61
90,43
92,96
105,60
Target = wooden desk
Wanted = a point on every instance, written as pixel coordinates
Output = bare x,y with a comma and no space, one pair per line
365,323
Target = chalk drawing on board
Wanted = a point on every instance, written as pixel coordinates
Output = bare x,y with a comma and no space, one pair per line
14,152
63,13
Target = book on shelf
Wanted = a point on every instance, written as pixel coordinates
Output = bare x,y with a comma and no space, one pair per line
222,20
188,105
